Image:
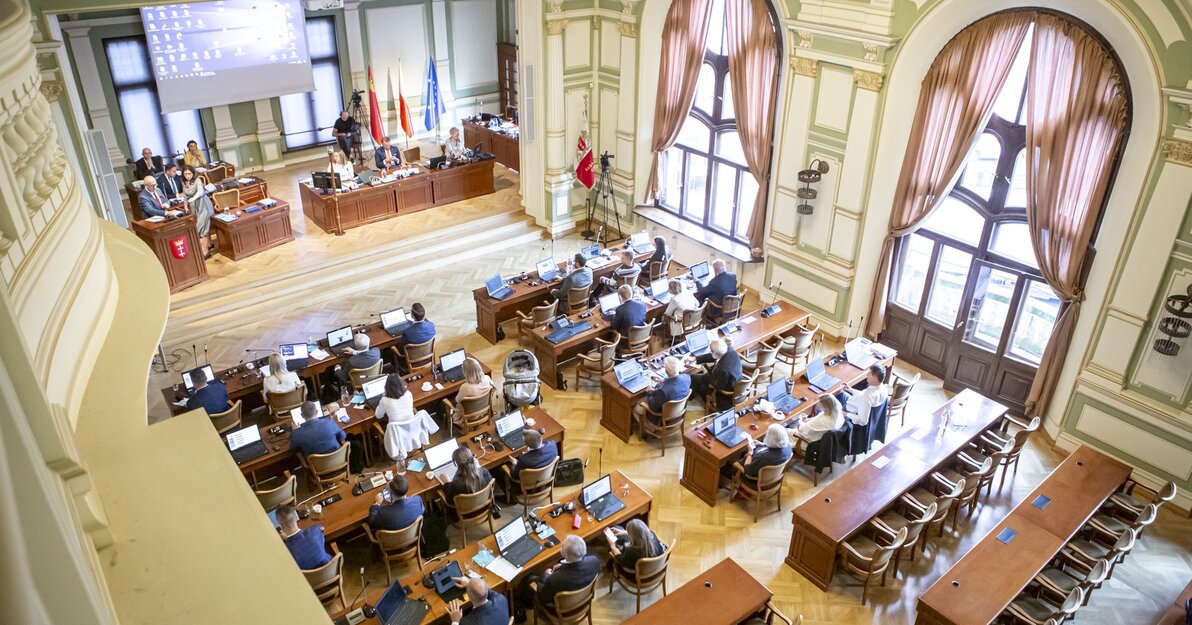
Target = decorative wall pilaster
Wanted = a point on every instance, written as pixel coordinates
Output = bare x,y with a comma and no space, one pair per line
93,95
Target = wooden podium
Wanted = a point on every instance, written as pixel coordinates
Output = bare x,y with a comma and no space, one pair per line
176,244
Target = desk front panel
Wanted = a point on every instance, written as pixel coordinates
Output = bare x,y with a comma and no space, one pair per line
725,594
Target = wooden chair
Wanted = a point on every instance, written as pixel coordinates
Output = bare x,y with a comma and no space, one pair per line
417,356
227,420
900,394
727,310
864,557
657,270
359,376
1059,580
770,613
1019,437
1124,501
577,299
1036,611
474,509
973,474
742,392
215,175
226,200
979,453
1084,553
397,545
534,486
768,486
476,411
274,497
1113,527
672,420
694,319
569,607
938,491
629,277
411,156
280,404
326,469
793,350
327,581
638,340
903,516
761,363
594,364
647,575
538,317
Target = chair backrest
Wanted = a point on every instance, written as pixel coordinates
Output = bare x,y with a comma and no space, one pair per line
330,466
764,357
411,155
629,277
608,356
731,306
477,506
542,315
1167,493
216,174
639,337
360,376
659,269
577,299
882,556
420,355
694,319
225,200
401,543
901,393
1072,602
227,420
769,479
286,493
1148,515
327,580
282,403
974,478
915,527
741,388
675,410
574,606
537,482
1097,575
1021,435
803,336
651,572
477,410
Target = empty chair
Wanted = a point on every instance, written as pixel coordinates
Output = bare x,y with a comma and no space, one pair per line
400,545
771,614
973,474
227,420
594,364
658,269
474,509
864,557
538,317
326,469
978,454
476,411
1019,437
359,376
769,486
534,487
577,299
280,404
569,607
647,575
1084,553
1113,527
1059,580
1125,500
226,200
904,516
1036,611
761,362
793,350
286,493
900,394
672,420
327,581
411,156
935,490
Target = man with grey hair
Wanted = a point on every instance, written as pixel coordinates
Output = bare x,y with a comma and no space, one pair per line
676,385
722,377
576,570
362,356
488,607
723,282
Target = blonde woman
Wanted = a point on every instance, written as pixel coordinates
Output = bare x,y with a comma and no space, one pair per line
280,379
340,166
829,417
475,384
681,301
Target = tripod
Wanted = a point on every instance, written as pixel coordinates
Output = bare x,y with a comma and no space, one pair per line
357,157
603,191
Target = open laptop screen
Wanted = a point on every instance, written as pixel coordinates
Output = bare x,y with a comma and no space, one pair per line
697,341
494,284
440,455
189,377
511,533
609,303
723,421
393,317
545,266
340,336
699,270
596,490
639,239
627,370
659,286
815,368
390,602
373,388
510,423
452,360
290,351
590,252
776,390
244,436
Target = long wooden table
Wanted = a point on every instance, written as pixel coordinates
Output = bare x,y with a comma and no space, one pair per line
251,233
982,584
336,212
530,291
842,508
637,505
725,594
505,148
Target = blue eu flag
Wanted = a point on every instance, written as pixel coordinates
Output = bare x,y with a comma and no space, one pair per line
433,97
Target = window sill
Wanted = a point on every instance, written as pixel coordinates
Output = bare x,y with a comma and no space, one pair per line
714,240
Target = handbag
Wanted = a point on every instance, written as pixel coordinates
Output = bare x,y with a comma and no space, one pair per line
570,472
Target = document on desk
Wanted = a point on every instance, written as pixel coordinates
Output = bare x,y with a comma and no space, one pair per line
921,433
881,462
319,354
747,320
503,568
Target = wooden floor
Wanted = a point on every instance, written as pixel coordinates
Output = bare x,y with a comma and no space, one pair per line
239,316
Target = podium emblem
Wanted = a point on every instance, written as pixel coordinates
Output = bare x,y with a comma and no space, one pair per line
179,248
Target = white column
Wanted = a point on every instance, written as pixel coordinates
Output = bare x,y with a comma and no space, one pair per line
97,109
268,135
623,165
356,62
227,142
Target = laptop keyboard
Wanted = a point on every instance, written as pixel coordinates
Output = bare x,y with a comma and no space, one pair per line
410,613
521,552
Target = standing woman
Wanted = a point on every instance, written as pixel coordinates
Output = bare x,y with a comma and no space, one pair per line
199,203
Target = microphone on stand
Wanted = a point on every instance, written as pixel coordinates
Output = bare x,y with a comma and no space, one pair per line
770,310
206,357
600,460
599,233
195,353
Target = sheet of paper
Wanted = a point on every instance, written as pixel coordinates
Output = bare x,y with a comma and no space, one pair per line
439,386
319,354
881,462
921,433
747,320
503,568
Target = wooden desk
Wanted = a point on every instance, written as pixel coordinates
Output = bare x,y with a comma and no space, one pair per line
851,500
982,583
637,505
723,595
504,147
341,211
616,414
175,242
251,233
491,313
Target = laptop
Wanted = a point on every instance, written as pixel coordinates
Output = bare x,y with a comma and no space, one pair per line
591,251
397,608
547,269
295,355
699,273
660,290
496,287
373,391
246,444
641,243
395,321
511,429
819,379
514,543
778,395
366,176
609,303
698,343
438,459
189,377
452,365
724,428
629,375
598,499
338,341
860,353
435,162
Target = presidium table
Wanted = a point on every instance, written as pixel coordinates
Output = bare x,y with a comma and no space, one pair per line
337,212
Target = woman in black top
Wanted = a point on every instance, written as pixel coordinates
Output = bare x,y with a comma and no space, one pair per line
633,543
661,253
469,478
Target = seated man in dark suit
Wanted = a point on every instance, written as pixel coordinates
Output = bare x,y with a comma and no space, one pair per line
576,570
147,165
723,283
675,386
306,545
488,607
319,435
210,395
420,330
170,181
401,513
722,377
151,201
631,312
538,454
362,356
387,156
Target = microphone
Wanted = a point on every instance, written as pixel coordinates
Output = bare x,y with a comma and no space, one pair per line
363,587
599,232
861,326
206,357
195,352
600,460
770,310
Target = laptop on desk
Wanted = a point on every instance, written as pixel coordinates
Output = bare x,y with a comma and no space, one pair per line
641,244
190,377
817,377
660,290
859,353
397,608
338,341
496,287
373,391
698,343
725,429
395,321
780,396
514,543
630,375
438,459
246,444
452,365
295,355
591,251
547,269
598,499
609,303
700,273
511,429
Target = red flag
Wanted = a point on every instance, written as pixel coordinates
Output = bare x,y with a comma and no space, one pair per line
375,125
583,156
407,121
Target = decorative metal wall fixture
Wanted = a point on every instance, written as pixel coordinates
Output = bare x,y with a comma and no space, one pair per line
1176,325
812,175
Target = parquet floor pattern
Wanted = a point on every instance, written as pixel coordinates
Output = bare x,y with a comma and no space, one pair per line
1138,593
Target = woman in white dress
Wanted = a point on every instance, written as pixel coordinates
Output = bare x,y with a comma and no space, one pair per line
406,430
199,203
280,379
339,165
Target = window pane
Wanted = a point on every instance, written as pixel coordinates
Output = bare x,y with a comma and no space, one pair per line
696,186
914,258
128,60
715,42
297,121
956,220
181,127
948,286
748,199
723,201
726,102
728,146
1016,196
1013,240
1009,100
320,38
328,95
303,112
146,132
991,305
981,167
705,89
1036,317
671,193
695,135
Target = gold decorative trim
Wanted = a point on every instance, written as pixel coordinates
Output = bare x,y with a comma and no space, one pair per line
628,29
554,6
804,66
1177,151
627,6
871,81
556,27
51,89
595,23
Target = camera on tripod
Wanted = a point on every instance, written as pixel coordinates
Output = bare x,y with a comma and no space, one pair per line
604,158
356,93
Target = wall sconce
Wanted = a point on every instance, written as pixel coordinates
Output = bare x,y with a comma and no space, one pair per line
812,175
1176,324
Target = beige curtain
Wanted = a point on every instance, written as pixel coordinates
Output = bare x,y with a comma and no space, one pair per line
683,37
1075,121
753,78
955,100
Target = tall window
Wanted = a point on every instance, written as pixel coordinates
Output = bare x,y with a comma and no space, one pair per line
704,176
302,113
136,93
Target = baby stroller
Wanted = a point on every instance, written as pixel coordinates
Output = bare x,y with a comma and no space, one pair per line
521,379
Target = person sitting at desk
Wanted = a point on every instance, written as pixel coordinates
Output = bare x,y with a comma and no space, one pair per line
488,607
170,181
152,202
579,278
344,131
828,417
859,402
387,156
476,383
576,570
454,148
280,379
723,283
681,301
318,435
210,395
360,356
469,478
723,375
623,271
631,312
420,330
147,165
675,386
342,167
399,514
538,454
306,545
634,542
194,156
661,253
776,450
199,203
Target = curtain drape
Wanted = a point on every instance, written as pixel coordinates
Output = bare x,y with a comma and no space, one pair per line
753,78
1076,114
683,37
955,100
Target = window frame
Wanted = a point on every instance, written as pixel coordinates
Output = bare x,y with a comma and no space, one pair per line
332,60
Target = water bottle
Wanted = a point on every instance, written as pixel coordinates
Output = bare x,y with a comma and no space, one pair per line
570,264
344,396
